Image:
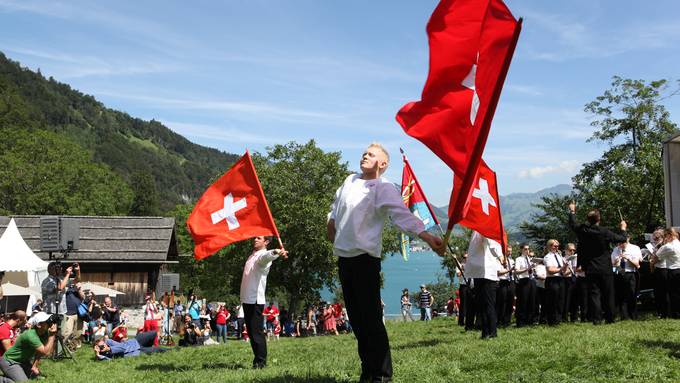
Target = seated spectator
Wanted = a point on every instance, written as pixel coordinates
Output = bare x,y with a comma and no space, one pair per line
189,332
19,362
120,333
107,349
10,329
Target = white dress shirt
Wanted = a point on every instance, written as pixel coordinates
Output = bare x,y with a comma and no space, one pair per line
360,210
254,281
522,262
483,258
670,254
573,260
553,259
541,274
632,251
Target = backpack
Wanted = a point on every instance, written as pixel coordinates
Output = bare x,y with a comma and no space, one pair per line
83,312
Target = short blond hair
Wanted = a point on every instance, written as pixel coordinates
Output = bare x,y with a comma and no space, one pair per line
379,146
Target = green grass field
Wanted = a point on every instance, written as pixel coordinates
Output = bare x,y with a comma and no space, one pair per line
437,351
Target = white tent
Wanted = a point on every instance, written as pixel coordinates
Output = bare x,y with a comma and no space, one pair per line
20,264
100,290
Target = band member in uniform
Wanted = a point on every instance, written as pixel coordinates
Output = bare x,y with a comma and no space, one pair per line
554,282
579,297
483,267
669,253
626,260
594,258
525,288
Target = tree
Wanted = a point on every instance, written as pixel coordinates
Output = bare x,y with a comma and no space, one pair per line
551,223
146,200
299,181
628,179
44,173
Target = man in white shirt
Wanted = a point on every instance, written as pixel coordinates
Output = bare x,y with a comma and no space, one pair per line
355,224
483,266
626,259
253,285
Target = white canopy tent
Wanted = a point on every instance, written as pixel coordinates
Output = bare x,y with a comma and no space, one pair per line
20,264
99,290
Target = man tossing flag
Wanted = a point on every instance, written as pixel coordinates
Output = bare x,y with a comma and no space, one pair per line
415,200
232,209
471,46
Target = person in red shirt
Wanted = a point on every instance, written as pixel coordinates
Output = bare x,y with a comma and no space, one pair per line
119,334
272,314
221,319
10,328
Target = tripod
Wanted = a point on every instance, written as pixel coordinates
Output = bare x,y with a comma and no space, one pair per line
64,352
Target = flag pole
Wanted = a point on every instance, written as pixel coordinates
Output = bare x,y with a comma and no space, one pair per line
264,199
445,236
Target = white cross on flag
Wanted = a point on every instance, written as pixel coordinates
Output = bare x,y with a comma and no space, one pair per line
232,209
484,213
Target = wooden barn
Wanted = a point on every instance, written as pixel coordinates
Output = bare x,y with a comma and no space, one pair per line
123,253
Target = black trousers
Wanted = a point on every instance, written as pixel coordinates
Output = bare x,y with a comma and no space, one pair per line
510,303
258,341
601,297
360,280
485,292
471,312
579,302
569,288
462,293
661,292
626,296
674,292
554,297
526,295
501,293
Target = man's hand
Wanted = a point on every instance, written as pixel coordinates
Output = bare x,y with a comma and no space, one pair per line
623,225
69,270
572,207
283,253
53,329
435,243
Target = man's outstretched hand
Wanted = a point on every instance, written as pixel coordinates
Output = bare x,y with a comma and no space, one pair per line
436,243
283,253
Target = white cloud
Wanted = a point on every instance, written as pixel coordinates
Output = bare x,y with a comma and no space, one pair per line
566,39
218,133
568,167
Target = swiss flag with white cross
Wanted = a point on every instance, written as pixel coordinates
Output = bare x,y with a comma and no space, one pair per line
232,209
484,212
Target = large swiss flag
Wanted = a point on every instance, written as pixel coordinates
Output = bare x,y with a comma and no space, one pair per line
232,209
484,213
471,46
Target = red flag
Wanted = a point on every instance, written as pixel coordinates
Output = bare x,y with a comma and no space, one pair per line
484,213
471,46
414,198
232,209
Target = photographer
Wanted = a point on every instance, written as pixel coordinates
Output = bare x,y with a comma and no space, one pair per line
72,324
107,349
188,332
53,287
18,362
110,315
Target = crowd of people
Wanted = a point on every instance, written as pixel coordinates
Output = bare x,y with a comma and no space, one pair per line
595,280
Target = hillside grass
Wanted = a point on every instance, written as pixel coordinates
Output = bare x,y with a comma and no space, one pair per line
438,351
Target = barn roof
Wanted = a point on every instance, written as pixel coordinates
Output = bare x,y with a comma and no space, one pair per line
109,239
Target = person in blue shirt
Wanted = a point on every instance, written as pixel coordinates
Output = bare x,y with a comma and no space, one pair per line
107,349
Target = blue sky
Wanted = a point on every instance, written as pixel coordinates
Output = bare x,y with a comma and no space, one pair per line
249,74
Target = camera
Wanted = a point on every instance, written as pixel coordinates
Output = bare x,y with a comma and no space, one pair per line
73,270
54,318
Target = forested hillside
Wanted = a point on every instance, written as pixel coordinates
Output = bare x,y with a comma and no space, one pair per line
146,155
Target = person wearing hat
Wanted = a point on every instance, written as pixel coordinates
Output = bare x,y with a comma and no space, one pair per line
17,364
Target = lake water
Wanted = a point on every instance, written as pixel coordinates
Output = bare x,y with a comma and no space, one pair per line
422,267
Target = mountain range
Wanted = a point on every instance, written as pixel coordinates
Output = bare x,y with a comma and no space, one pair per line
515,207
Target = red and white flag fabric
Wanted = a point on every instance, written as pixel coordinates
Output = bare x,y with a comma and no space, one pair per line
232,209
471,46
484,210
